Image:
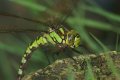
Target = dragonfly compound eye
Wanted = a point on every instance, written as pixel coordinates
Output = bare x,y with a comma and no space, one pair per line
73,39
77,40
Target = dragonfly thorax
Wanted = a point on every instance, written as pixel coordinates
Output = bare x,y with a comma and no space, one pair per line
62,37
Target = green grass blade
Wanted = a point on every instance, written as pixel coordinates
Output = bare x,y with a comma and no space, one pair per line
30,4
117,42
100,43
102,12
6,67
89,75
37,7
94,24
71,75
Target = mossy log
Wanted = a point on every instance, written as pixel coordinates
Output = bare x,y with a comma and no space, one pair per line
103,67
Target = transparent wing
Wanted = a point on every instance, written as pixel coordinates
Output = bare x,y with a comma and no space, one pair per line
54,15
13,23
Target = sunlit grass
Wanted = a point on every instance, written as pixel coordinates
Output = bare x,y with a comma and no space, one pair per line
30,4
37,8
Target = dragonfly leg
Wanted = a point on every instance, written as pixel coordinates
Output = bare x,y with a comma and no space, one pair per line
55,55
86,49
47,57
70,56
76,51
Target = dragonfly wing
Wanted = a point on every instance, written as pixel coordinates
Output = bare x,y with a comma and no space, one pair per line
8,23
14,23
62,10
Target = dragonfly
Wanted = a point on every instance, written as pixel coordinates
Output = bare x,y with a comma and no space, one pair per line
57,35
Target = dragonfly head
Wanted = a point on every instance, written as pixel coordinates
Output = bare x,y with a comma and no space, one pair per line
73,39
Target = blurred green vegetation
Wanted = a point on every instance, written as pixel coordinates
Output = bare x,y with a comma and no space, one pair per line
100,33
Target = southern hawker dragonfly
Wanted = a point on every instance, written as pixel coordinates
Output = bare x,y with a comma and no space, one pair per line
58,35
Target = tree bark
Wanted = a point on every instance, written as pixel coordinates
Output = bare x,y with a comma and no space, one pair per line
104,66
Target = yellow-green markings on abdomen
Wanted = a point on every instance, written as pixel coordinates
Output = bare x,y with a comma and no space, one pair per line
51,37
35,44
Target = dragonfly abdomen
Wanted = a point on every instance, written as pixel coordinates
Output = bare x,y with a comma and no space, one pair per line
47,38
